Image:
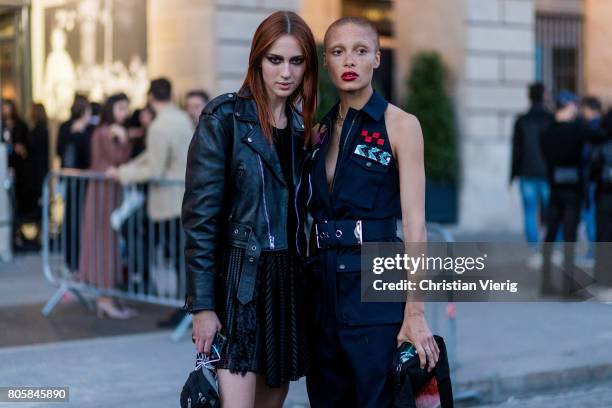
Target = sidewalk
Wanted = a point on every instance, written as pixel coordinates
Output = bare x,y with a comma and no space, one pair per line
504,349
508,349
73,348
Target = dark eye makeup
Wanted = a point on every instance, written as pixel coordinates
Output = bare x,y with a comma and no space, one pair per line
277,59
274,59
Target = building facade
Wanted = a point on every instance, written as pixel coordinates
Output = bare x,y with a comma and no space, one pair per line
492,48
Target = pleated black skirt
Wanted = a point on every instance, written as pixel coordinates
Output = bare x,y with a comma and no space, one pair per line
268,335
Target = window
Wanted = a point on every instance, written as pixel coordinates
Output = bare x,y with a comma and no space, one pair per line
379,13
559,52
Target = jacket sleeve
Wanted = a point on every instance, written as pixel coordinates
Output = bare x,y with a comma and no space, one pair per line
149,164
202,211
543,142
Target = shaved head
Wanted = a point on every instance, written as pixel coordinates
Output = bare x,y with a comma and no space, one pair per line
358,21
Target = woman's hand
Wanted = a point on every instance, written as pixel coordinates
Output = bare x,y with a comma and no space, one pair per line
118,132
79,126
112,173
205,325
416,331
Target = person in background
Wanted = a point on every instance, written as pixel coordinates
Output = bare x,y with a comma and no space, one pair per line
74,149
194,104
96,111
601,174
590,113
38,158
14,133
14,130
74,135
99,263
164,157
562,147
138,126
527,162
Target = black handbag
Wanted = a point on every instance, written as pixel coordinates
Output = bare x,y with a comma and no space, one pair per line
201,390
413,382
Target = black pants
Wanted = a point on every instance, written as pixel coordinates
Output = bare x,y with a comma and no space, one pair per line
75,196
352,341
603,247
564,209
351,366
143,237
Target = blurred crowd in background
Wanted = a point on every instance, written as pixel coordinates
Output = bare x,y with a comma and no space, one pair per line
118,147
562,159
28,145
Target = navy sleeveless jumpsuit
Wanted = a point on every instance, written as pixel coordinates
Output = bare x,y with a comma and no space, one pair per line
353,341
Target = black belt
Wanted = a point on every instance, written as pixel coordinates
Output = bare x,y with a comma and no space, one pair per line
341,233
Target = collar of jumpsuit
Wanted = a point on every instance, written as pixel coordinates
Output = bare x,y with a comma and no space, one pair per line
374,108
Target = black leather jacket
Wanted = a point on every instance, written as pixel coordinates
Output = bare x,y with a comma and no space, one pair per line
527,160
236,195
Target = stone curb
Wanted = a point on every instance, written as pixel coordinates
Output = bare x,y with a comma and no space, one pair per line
498,388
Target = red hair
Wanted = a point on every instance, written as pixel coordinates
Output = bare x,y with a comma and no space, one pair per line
271,29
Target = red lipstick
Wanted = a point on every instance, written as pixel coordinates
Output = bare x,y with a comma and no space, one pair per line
349,76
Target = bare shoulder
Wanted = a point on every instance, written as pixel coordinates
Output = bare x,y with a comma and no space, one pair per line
404,128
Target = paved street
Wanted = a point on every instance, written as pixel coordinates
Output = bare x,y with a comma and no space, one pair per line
599,395
503,350
104,362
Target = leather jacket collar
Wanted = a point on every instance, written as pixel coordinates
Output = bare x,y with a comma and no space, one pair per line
245,111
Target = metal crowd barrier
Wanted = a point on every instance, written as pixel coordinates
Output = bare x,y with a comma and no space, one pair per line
99,241
6,207
87,250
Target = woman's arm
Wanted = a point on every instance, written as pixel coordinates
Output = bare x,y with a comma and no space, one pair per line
203,207
202,221
406,140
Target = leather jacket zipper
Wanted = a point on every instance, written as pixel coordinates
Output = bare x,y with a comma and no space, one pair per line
310,178
263,184
295,201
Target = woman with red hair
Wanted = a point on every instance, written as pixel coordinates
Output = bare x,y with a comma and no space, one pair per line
243,219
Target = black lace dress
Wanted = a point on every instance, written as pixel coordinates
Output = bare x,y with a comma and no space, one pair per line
268,335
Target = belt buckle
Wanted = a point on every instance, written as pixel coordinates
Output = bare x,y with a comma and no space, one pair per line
317,232
358,231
